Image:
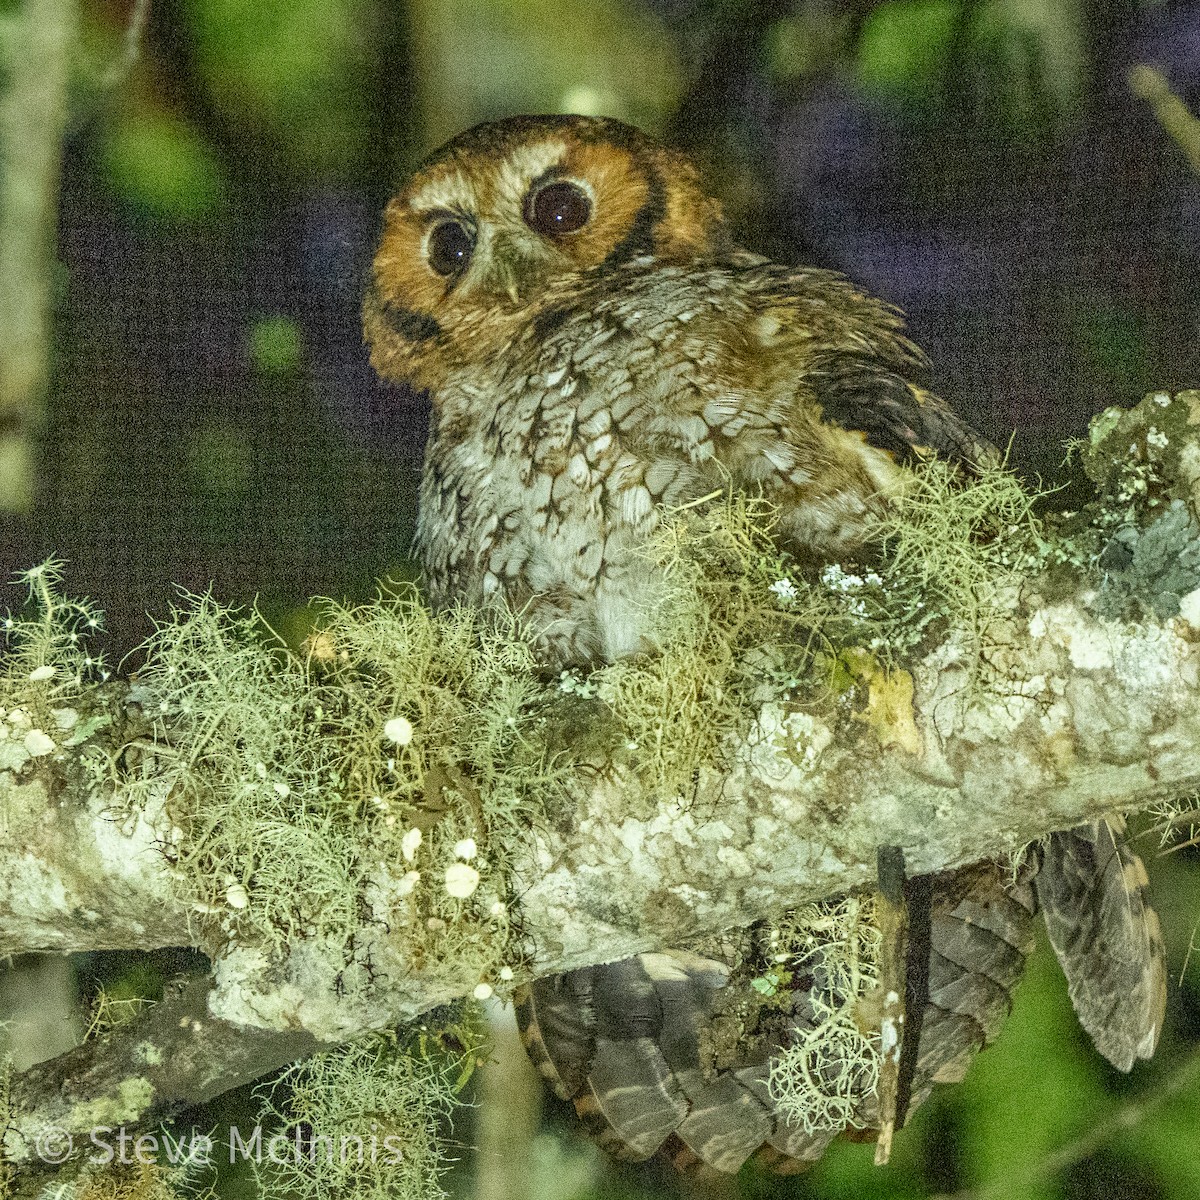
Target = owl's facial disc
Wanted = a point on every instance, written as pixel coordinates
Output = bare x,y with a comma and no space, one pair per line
522,213
486,231
498,227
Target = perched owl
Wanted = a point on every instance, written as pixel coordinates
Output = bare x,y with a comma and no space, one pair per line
597,350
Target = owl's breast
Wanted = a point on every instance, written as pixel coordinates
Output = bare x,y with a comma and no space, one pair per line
547,500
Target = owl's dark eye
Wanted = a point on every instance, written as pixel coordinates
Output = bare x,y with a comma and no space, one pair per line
558,208
449,248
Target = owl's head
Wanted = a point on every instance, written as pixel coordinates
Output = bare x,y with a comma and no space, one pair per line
507,218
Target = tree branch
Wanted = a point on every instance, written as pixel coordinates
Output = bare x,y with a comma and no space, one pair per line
1091,704
175,1055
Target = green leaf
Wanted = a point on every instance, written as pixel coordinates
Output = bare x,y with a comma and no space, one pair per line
275,345
161,165
905,43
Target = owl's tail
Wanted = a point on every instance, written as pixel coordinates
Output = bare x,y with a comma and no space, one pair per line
646,1050
633,1043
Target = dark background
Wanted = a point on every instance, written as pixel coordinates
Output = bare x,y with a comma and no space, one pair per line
213,420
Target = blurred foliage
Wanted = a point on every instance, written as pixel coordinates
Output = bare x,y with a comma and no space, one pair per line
905,45
162,166
291,69
275,345
479,61
804,42
1040,43
1020,61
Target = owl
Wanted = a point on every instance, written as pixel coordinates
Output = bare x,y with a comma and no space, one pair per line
598,351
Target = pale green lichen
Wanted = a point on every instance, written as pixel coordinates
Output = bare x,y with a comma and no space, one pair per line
1137,457
47,656
133,1098
284,766
1177,821
46,665
109,1012
677,707
363,1119
141,1179
820,1079
300,809
954,546
742,624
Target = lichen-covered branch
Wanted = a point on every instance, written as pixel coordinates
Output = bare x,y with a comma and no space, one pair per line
407,812
177,1053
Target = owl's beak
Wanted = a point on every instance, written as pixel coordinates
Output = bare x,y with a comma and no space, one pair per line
506,263
504,276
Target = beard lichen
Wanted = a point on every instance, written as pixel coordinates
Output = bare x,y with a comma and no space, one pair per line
141,1179
387,775
1176,820
951,550
741,623
678,706
797,1001
831,1062
310,790
45,671
363,1120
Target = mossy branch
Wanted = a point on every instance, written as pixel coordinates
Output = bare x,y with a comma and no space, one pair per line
406,812
174,1054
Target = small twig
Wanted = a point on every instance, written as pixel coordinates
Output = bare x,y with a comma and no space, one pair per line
131,46
1177,846
1192,947
891,913
1151,85
1123,1119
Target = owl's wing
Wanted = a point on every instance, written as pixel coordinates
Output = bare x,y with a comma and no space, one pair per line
877,396
1093,893
631,1042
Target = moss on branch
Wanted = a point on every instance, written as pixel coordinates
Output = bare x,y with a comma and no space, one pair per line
405,809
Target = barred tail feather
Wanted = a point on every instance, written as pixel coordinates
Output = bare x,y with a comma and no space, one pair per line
1093,893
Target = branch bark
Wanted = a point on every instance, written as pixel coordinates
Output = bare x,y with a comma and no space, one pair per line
1084,713
176,1055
